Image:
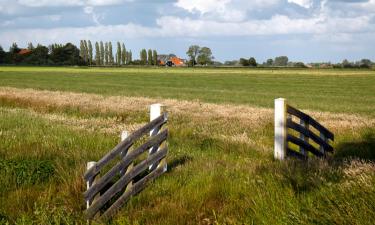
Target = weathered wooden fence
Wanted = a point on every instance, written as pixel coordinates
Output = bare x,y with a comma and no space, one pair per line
107,193
289,119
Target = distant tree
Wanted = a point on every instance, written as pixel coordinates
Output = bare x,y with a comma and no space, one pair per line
143,57
2,55
269,62
90,52
110,53
346,64
39,56
118,54
281,61
30,46
150,61
123,54
14,49
244,62
365,63
97,54
86,54
252,62
81,49
68,54
155,57
102,53
192,53
205,56
106,53
129,57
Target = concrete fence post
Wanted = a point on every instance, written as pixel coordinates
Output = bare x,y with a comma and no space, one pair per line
124,135
155,111
91,182
280,129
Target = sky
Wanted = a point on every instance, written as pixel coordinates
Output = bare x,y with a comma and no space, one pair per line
303,30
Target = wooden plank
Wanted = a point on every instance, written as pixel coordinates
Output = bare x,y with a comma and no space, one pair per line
124,145
136,188
308,119
305,145
292,153
123,181
310,134
125,162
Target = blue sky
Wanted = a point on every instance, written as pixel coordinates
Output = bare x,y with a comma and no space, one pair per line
304,30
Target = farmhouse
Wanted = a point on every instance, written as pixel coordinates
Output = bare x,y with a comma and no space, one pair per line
171,60
24,51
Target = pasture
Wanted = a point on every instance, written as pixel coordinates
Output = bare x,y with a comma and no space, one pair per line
221,167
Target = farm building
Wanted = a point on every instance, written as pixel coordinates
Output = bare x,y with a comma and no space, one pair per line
171,60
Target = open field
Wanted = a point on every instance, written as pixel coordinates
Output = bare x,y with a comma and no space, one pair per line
221,167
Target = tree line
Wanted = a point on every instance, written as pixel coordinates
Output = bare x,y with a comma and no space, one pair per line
104,55
54,54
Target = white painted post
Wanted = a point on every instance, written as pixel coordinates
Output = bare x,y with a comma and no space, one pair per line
90,182
124,135
155,111
280,129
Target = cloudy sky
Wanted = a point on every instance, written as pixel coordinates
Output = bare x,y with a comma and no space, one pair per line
304,30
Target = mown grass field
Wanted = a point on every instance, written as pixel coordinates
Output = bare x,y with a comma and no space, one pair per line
221,167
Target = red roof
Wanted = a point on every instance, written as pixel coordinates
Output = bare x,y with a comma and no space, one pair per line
24,51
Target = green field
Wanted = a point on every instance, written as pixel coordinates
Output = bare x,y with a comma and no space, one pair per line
221,167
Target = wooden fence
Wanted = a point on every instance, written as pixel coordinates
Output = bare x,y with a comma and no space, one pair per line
107,193
312,139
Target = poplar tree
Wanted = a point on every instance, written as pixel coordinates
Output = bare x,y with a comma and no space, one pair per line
118,55
97,55
110,53
155,57
123,54
143,56
149,58
86,51
106,55
102,53
90,53
129,57
81,49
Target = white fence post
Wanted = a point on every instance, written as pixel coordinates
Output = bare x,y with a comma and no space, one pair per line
280,129
90,182
124,135
155,111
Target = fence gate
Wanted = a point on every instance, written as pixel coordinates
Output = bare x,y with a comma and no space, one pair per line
107,193
294,126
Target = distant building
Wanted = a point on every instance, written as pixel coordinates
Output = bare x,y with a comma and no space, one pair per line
24,51
171,60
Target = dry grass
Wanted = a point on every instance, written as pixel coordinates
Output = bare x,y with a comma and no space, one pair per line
253,117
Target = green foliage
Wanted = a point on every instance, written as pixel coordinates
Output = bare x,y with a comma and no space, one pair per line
155,57
192,53
123,55
143,57
281,61
205,56
149,57
97,54
118,54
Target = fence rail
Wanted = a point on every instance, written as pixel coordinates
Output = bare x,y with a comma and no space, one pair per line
307,139
116,186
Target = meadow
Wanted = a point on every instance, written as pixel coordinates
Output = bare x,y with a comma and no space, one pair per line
221,167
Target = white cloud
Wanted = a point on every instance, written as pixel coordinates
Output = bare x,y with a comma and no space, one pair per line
225,10
303,3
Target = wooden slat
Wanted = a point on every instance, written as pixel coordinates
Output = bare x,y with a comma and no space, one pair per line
125,162
305,145
137,187
308,119
291,152
125,145
123,181
308,133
